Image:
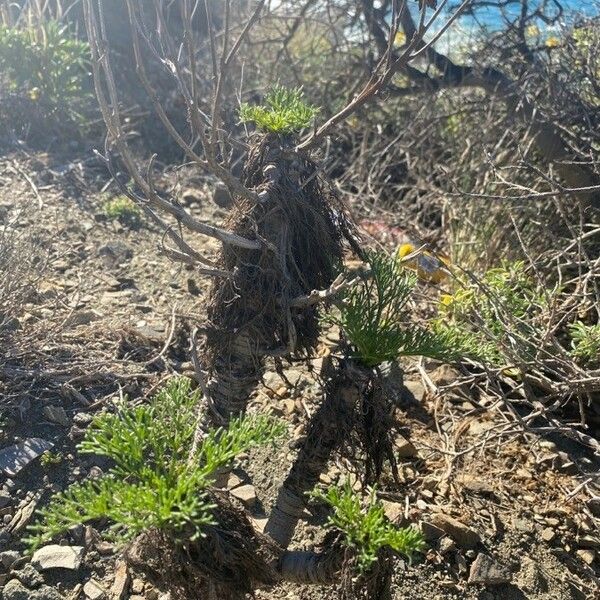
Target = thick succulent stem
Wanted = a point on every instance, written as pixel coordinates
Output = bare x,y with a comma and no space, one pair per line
226,391
303,566
326,432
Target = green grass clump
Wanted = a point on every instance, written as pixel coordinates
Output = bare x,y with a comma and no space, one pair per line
366,529
124,210
585,342
49,459
153,483
505,306
285,111
50,66
374,318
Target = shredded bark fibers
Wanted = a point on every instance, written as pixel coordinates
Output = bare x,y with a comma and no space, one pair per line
375,430
302,224
230,561
372,585
368,434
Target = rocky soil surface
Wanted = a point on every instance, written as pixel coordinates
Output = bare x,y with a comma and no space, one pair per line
107,316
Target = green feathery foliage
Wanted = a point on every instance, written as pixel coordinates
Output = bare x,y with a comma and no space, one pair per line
285,111
585,342
366,529
373,316
153,483
123,209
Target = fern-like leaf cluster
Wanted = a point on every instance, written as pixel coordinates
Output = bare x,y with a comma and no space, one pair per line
585,342
373,317
153,483
285,111
366,529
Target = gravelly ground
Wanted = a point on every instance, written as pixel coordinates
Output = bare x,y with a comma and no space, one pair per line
105,302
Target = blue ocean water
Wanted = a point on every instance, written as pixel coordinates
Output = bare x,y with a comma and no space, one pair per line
495,14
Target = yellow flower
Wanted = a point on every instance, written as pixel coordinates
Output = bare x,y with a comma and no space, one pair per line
533,31
428,266
552,42
34,94
400,38
446,300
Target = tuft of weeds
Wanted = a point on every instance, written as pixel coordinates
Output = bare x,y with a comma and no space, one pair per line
505,306
365,527
49,459
585,343
285,111
154,482
49,67
124,210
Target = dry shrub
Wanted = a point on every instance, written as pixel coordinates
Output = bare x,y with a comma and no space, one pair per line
22,265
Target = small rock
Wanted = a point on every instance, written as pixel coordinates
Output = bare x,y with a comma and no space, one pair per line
152,594
77,533
115,253
82,419
475,485
521,525
137,587
594,505
289,406
121,582
487,571
58,557
191,196
233,481
56,414
444,375
430,531
587,556
15,590
8,558
150,333
259,523
246,494
192,287
405,448
446,545
222,197
82,317
5,499
548,534
464,536
137,597
29,577
14,458
394,511
24,514
105,548
415,388
94,590
10,485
